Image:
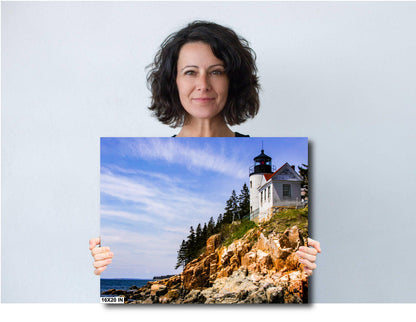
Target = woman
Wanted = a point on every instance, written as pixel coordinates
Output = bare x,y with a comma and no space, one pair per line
204,79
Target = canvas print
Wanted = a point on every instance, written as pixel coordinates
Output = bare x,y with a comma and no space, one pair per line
204,220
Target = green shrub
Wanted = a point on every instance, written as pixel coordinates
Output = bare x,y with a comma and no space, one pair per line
286,219
238,231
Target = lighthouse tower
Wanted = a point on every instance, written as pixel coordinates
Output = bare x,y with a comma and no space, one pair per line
262,165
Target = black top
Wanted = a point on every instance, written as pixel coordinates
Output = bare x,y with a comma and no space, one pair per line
262,157
237,135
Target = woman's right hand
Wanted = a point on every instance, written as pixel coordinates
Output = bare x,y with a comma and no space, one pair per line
102,255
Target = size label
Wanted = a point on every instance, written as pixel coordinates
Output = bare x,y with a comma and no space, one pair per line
112,300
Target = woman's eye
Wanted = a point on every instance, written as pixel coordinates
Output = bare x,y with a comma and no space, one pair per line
190,72
217,72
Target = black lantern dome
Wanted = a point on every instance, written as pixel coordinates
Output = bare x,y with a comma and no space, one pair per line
262,164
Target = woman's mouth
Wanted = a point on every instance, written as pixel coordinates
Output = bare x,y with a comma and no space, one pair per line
203,99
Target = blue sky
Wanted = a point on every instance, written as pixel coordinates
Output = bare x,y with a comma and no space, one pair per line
154,189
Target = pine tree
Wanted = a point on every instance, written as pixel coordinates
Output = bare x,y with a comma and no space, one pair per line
244,202
205,233
199,242
181,259
231,208
303,171
219,223
211,227
190,246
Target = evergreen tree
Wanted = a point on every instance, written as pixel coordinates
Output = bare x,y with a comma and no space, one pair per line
231,208
219,223
191,246
303,171
199,242
205,233
181,259
244,202
211,227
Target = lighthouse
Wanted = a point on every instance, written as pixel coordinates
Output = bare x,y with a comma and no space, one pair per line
262,165
272,190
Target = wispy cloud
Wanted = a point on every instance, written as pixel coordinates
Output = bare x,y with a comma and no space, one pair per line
140,255
194,158
112,169
170,203
152,242
126,216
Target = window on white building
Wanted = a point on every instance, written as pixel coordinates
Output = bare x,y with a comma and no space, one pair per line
286,191
268,193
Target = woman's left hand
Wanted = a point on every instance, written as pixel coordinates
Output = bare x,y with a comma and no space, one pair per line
307,255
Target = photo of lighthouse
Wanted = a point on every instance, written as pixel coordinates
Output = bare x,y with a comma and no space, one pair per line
271,189
204,220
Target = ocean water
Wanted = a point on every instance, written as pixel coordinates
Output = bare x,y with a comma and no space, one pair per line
120,284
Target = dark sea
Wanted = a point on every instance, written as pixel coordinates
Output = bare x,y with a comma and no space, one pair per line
120,284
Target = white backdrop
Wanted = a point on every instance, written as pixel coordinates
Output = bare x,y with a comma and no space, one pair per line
342,74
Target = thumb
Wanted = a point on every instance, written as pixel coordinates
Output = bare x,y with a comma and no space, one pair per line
315,244
94,242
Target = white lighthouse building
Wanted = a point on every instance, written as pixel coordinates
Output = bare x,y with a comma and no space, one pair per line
271,190
262,165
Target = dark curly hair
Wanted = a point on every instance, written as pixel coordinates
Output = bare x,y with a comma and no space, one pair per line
240,67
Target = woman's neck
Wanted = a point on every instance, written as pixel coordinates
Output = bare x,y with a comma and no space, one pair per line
205,128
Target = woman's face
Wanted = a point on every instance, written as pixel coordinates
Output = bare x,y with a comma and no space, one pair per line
201,81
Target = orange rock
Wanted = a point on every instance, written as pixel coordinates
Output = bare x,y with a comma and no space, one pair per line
292,262
270,261
212,244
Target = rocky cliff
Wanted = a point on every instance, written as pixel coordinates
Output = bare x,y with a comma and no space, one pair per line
260,267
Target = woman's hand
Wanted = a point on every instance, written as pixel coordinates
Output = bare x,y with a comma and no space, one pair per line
102,256
307,255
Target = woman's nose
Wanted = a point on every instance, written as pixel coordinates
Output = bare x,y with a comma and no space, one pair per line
203,82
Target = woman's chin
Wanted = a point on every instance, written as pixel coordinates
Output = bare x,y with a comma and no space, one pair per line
204,116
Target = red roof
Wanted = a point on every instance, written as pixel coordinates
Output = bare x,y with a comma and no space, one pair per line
267,176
